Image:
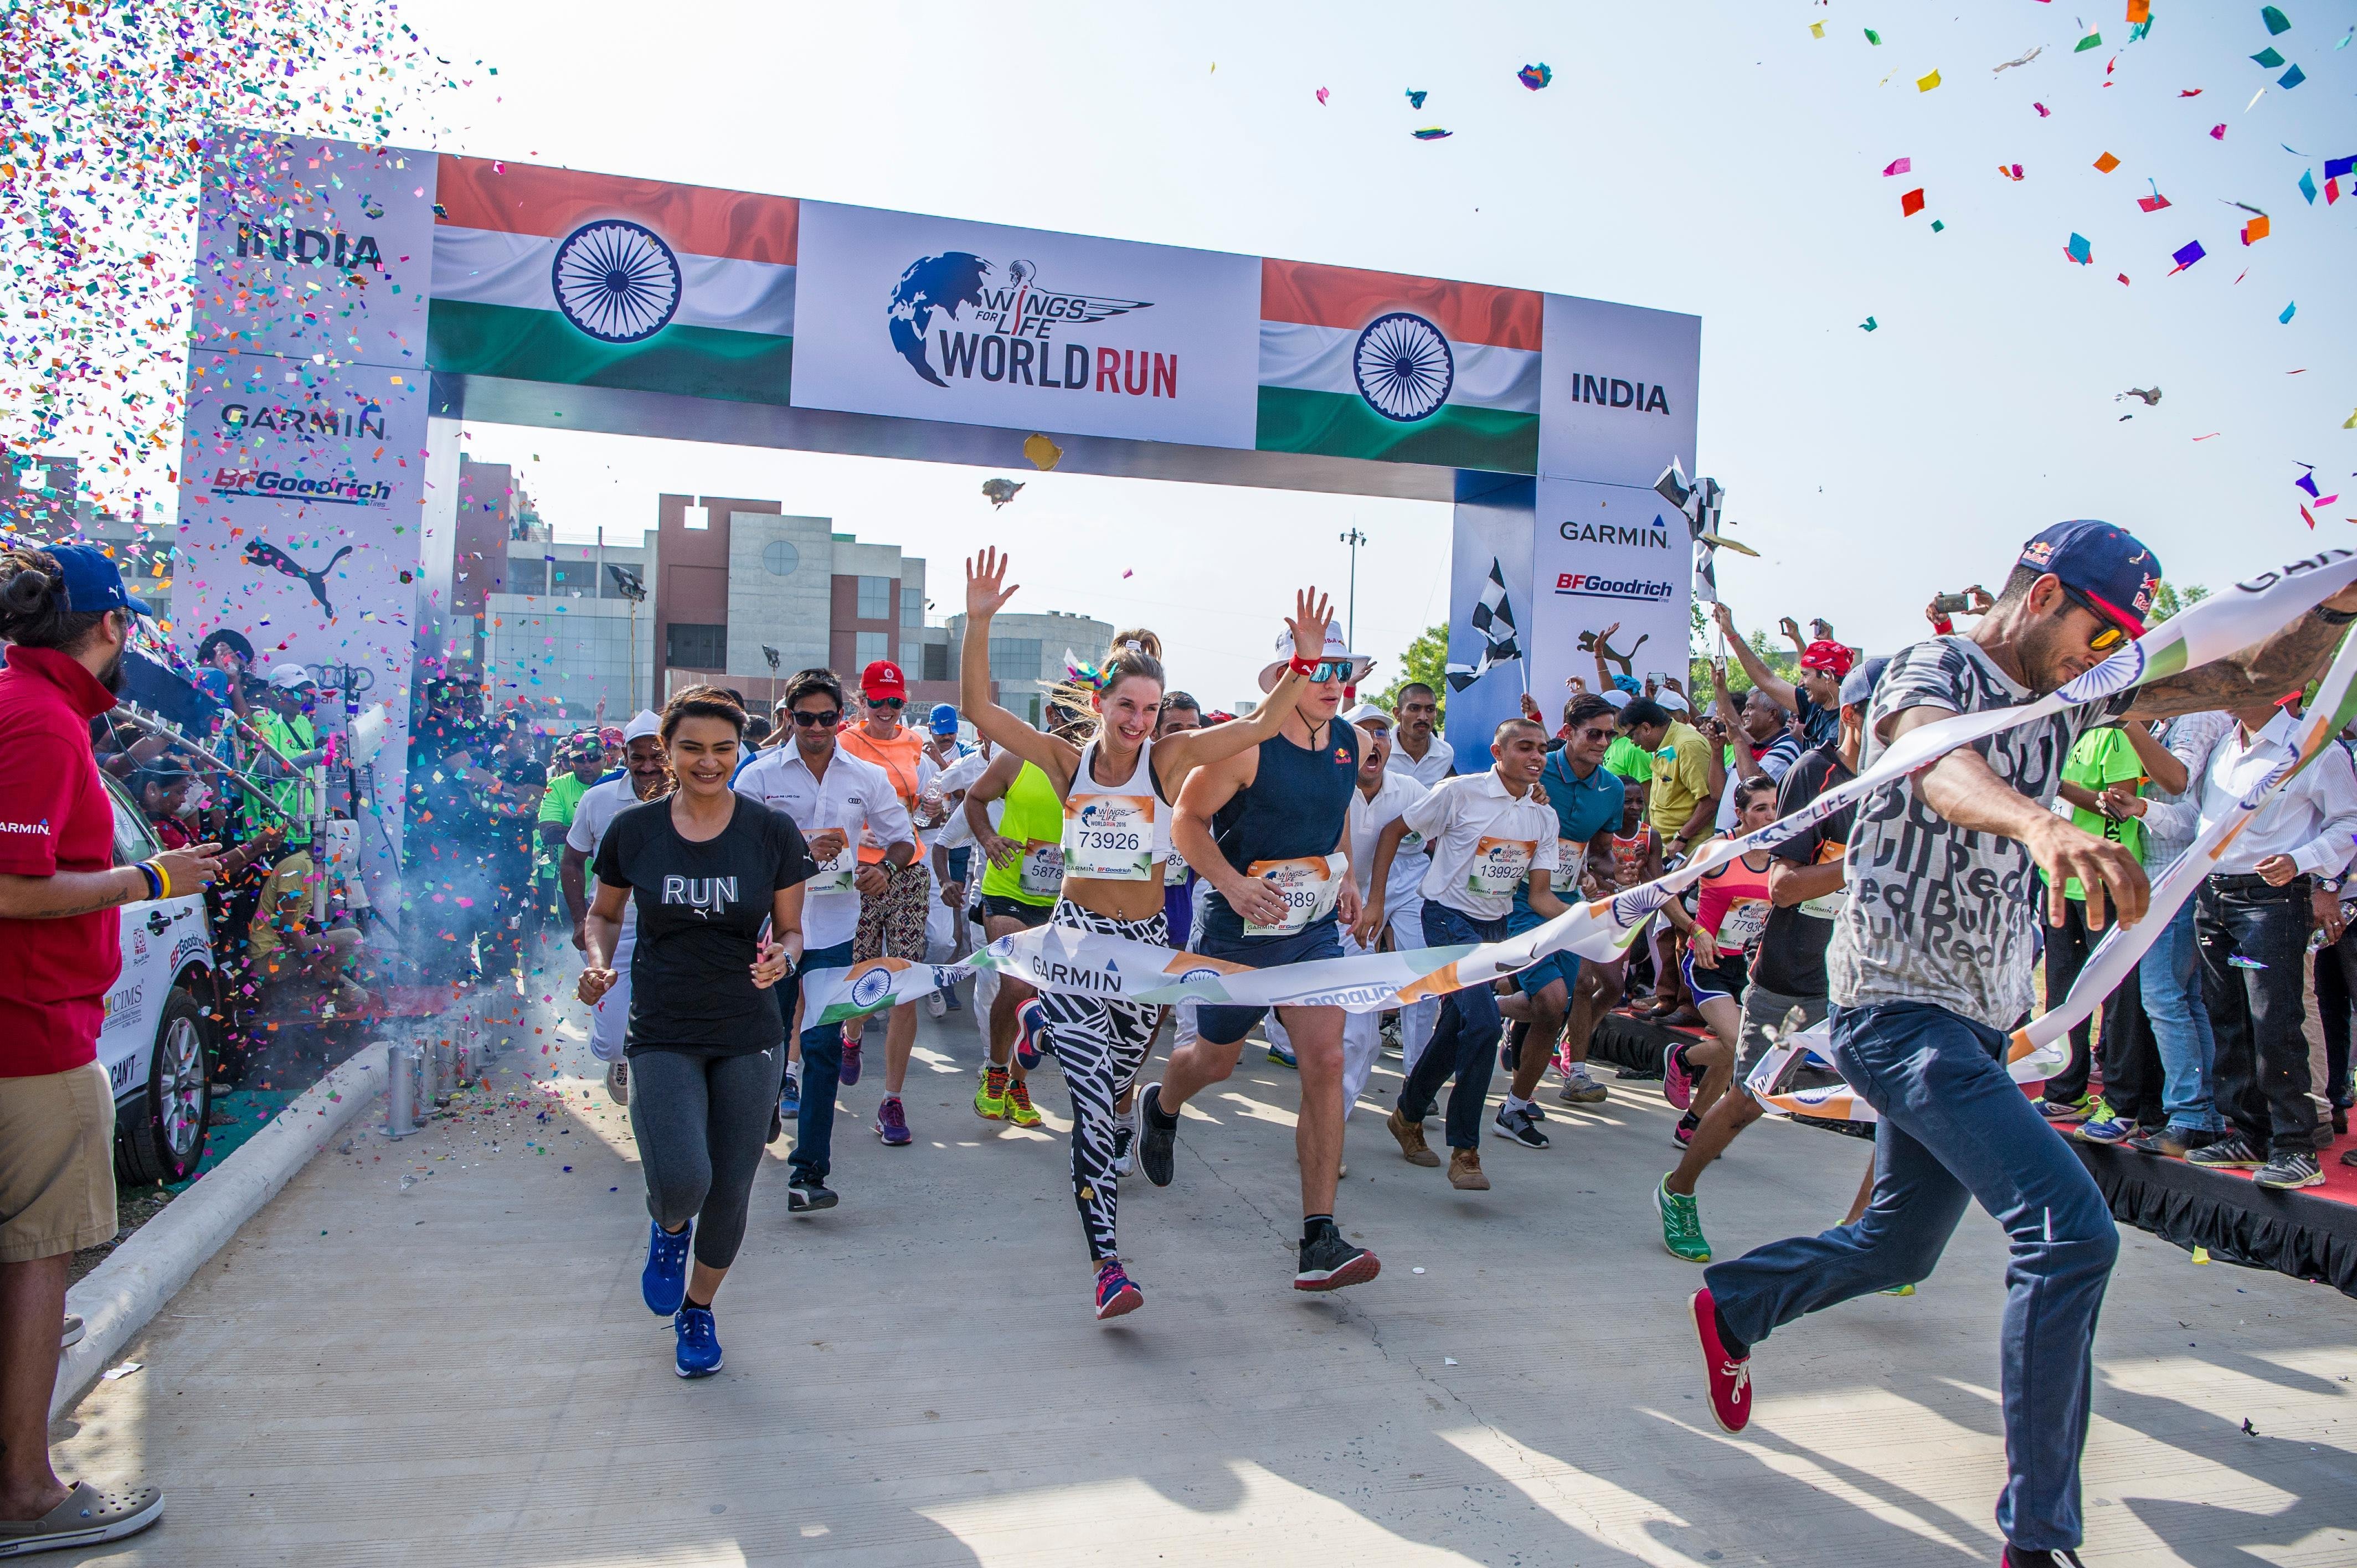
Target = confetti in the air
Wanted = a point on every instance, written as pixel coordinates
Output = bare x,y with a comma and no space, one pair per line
2106,164
1898,166
1431,134
2023,59
1534,76
1925,83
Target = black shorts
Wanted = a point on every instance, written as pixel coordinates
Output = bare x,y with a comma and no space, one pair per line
999,907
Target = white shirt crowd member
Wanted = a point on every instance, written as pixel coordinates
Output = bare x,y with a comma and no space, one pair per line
1438,762
2311,818
1403,912
856,796
1485,841
592,815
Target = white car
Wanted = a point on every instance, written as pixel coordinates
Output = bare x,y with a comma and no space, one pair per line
156,1042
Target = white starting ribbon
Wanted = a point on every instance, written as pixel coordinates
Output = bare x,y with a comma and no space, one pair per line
1061,958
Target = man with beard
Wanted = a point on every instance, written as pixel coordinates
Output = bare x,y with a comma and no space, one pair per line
1930,967
65,618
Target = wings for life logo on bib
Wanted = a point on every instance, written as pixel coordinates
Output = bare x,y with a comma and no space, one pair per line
1015,316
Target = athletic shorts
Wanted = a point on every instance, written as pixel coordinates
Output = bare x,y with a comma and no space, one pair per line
1724,979
1563,966
1226,1026
893,926
57,1164
1000,906
1768,1016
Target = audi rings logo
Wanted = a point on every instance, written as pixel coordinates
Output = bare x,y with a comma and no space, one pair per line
1403,368
871,986
616,281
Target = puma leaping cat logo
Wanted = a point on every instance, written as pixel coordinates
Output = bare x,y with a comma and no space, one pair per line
1592,642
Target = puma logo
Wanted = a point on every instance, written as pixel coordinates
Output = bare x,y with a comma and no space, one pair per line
1589,643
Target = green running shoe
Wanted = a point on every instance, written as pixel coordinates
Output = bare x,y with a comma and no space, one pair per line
1681,1224
990,1095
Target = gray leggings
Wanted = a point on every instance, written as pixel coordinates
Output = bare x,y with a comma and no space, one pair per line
701,1122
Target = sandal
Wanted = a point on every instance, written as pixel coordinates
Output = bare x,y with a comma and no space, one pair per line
86,1517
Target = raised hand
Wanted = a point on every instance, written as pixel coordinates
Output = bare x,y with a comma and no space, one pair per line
1312,612
1725,618
987,589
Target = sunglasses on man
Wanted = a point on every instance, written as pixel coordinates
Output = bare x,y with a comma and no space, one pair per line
2108,636
1330,669
1593,733
828,719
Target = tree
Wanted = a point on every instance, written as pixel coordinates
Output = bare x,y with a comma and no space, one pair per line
2168,598
1426,659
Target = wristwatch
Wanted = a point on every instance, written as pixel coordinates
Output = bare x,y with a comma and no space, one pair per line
2335,618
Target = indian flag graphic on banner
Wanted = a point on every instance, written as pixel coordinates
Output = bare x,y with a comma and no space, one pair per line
1404,370
547,274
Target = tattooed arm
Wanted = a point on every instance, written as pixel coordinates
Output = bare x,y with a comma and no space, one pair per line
2276,664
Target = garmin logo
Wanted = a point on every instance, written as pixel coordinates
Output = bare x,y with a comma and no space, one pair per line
1654,537
1610,391
1069,977
38,830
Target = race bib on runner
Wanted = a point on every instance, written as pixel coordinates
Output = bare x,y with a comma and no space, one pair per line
1309,886
1043,868
1499,866
834,876
1110,837
1570,864
1827,905
1745,922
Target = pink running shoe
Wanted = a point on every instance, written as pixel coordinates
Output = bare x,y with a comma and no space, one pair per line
1115,1294
1677,1079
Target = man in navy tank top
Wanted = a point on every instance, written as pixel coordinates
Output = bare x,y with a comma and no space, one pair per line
1269,830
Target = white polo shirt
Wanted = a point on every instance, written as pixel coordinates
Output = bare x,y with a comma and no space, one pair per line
853,794
592,815
1486,841
1368,819
1438,763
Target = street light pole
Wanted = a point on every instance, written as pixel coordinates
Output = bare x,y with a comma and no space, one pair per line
1354,539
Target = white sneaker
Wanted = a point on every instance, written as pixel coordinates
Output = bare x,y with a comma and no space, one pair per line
617,1081
1125,1145
937,1005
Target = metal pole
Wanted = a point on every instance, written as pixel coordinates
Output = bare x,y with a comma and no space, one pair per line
1353,539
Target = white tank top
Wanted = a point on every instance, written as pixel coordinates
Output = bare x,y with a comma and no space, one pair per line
1115,833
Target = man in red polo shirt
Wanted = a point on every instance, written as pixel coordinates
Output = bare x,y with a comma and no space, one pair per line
64,617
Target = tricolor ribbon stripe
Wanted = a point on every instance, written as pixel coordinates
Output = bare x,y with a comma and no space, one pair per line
1055,958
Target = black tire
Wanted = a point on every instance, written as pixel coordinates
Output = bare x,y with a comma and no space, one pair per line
161,1135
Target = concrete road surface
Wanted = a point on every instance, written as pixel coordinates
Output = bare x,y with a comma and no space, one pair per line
434,1353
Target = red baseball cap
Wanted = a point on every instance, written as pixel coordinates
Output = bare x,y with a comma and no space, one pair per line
1828,656
881,679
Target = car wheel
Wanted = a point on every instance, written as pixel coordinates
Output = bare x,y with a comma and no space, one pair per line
164,1139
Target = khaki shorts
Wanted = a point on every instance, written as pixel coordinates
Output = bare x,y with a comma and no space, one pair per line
57,1164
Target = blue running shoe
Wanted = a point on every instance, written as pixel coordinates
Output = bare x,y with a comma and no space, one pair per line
1283,1056
1031,1034
664,1283
789,1097
850,1073
699,1342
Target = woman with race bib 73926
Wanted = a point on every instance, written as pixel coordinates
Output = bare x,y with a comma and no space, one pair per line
1117,790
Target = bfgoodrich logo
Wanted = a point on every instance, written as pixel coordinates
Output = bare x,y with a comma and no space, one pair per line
1591,586
1016,320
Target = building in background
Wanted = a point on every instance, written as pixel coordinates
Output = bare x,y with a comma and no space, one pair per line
41,497
1027,653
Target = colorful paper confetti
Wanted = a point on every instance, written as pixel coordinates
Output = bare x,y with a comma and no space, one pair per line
1534,76
2079,250
2277,23
1431,134
1898,166
2106,164
1912,203
1925,83
2289,311
1416,95
2186,256
1869,325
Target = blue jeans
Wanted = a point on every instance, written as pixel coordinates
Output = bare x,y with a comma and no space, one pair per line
2170,973
1465,1041
821,1068
1955,1126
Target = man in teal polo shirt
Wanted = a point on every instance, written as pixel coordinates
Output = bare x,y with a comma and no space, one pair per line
1588,799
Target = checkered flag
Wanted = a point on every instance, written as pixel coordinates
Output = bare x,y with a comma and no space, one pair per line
1493,617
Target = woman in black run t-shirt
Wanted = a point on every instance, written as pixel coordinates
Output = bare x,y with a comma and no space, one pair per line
716,878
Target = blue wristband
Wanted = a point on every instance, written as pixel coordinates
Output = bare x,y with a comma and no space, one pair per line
154,883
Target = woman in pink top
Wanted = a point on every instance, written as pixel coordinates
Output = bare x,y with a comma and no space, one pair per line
1731,916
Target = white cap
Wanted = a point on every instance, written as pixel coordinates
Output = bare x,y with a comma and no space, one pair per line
287,676
1671,700
1617,697
645,724
1335,649
1368,711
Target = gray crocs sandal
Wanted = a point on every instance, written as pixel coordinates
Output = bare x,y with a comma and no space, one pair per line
86,1517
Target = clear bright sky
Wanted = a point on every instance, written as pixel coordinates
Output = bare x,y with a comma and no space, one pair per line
1715,159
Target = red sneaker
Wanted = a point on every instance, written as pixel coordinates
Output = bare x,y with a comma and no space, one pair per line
1677,1078
1730,1378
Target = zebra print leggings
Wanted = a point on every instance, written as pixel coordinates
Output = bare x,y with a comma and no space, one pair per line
1101,1045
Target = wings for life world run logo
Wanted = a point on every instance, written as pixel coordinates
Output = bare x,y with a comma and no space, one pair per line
1015,319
